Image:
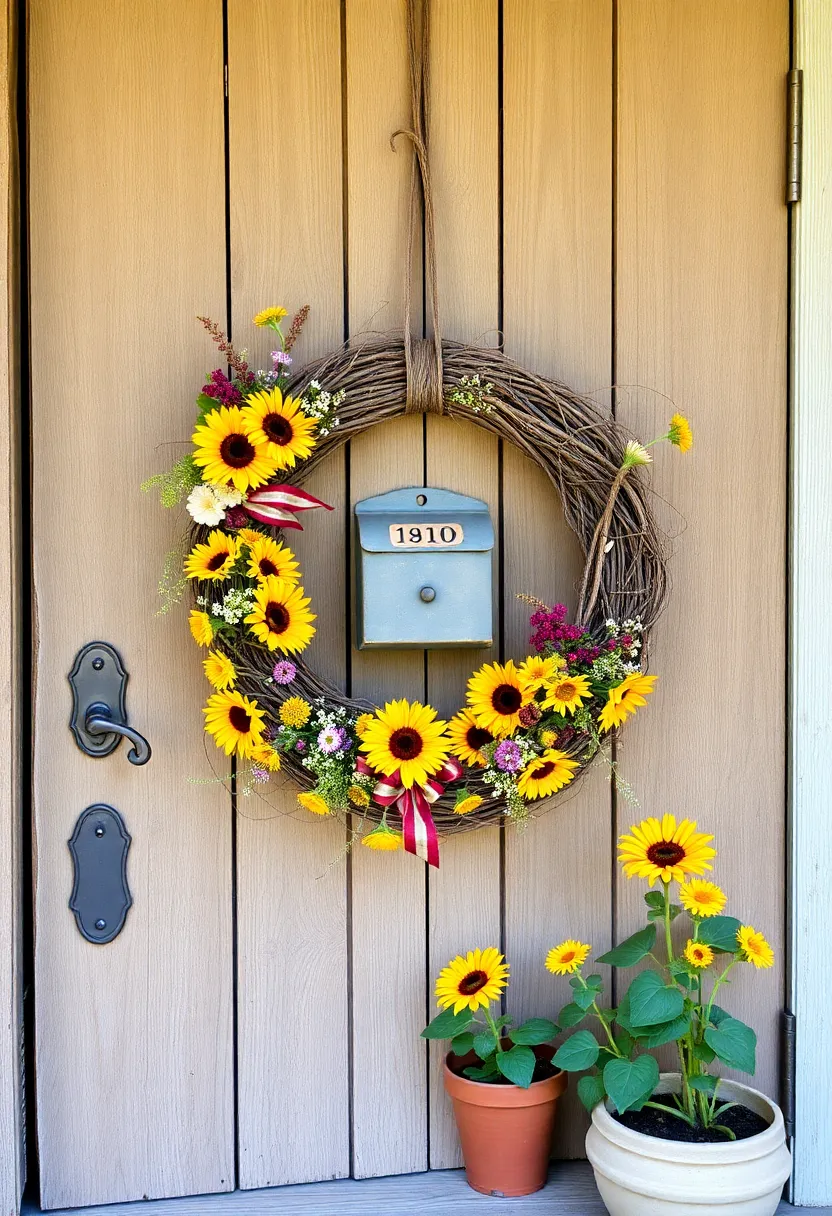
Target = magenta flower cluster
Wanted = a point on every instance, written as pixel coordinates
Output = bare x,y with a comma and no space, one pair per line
221,389
551,630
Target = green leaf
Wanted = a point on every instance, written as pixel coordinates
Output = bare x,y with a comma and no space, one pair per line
518,1065
654,899
734,1043
479,1074
534,1032
653,1002
462,1044
205,404
505,1020
570,1015
594,981
591,1090
633,950
604,1057
720,932
624,1040
447,1025
703,1053
705,1085
583,997
484,1044
580,1051
718,1014
658,913
630,1083
668,1033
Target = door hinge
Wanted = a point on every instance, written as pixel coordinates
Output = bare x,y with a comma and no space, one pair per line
788,1065
794,150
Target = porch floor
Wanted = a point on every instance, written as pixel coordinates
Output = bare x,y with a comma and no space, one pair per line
571,1192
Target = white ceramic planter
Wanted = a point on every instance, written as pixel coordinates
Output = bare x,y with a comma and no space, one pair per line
640,1175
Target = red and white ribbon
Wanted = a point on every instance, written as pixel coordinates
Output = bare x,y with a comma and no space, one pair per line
278,505
418,828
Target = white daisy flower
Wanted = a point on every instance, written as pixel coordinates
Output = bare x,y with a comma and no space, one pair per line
203,506
227,496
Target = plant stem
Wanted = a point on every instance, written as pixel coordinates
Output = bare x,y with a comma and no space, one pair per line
599,1015
679,1114
493,1028
668,939
719,980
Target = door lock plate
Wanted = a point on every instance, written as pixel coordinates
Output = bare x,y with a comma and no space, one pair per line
100,896
98,677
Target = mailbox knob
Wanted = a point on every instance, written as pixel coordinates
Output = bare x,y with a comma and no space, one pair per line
427,594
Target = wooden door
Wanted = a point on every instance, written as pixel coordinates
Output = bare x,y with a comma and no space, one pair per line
608,184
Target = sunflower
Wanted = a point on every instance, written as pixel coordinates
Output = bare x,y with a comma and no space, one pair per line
496,695
466,803
201,628
250,535
270,317
361,724
235,722
702,898
472,982
314,803
281,617
358,796
227,451
406,737
219,670
665,850
698,954
214,559
680,433
567,694
268,557
624,699
546,774
294,712
755,949
266,757
279,423
468,738
567,958
548,737
536,671
383,839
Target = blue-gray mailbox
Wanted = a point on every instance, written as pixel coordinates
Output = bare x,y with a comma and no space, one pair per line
424,569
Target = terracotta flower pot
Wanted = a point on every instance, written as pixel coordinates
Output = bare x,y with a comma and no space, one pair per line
636,1174
505,1131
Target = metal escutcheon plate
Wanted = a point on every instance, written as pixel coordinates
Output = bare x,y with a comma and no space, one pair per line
97,676
100,896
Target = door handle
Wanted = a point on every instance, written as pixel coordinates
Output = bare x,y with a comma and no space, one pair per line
99,712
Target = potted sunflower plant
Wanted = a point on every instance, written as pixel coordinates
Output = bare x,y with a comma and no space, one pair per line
671,1143
500,1077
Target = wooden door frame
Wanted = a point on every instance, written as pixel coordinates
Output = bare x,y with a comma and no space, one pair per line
810,644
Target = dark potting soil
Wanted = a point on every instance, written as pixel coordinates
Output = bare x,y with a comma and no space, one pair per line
542,1071
743,1122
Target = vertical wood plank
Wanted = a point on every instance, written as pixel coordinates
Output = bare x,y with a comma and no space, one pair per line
287,248
557,319
811,588
127,244
701,320
388,890
464,894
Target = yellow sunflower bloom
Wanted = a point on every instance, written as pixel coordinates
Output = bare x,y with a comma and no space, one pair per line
468,738
249,535
680,433
546,774
702,898
548,737
624,699
666,850
227,451
567,694
281,618
313,802
280,424
755,949
472,982
266,757
358,796
383,839
536,671
270,316
467,803
406,736
234,722
294,712
567,958
496,694
269,558
219,670
361,724
201,628
213,559
698,954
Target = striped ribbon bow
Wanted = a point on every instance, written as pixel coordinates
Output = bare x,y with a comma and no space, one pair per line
413,805
278,505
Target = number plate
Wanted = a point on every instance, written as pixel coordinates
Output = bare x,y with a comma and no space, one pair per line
426,536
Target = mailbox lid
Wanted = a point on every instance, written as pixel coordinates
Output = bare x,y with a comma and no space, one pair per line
442,508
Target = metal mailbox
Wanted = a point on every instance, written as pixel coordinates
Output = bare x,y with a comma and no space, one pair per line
424,570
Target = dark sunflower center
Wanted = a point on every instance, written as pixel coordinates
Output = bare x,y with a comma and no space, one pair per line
237,451
239,719
278,429
565,691
544,770
266,567
568,956
472,982
506,699
277,617
665,853
477,737
405,743
217,560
